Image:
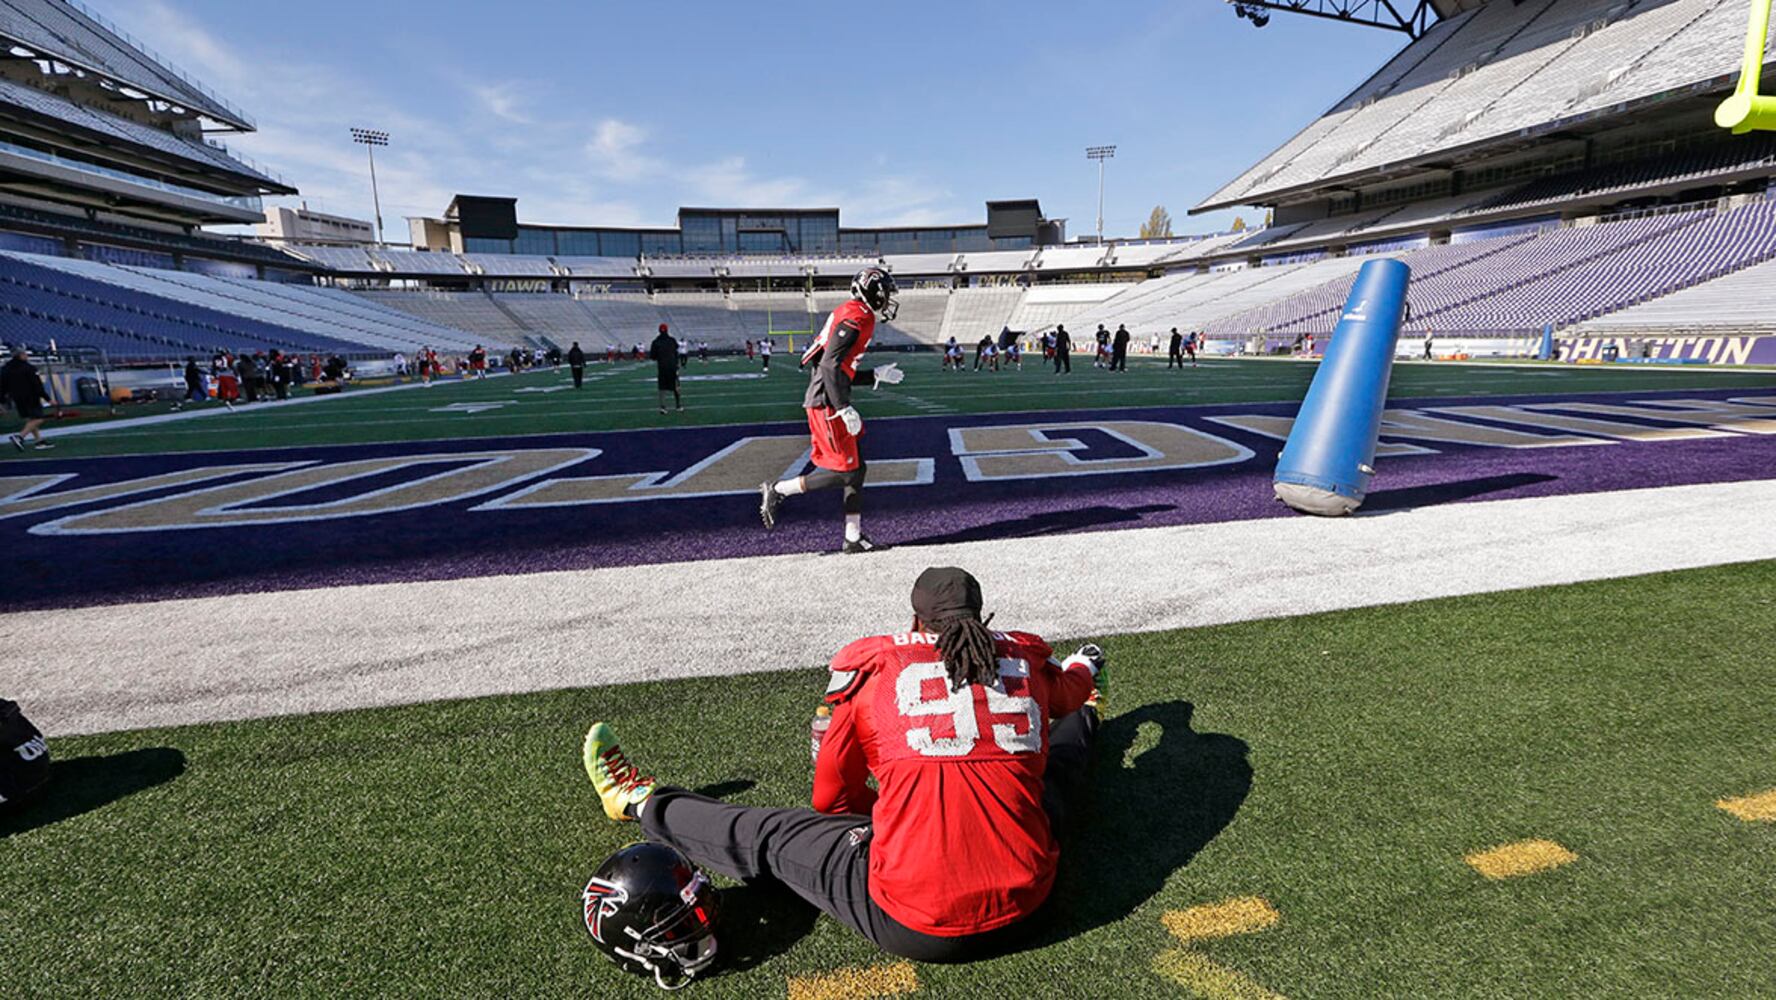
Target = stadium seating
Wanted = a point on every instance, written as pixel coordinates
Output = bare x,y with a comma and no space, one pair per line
1500,69
979,312
46,302
1042,307
1516,284
173,312
415,262
1739,302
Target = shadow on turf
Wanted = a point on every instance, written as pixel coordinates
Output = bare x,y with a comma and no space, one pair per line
1408,497
1048,523
81,784
761,920
1149,816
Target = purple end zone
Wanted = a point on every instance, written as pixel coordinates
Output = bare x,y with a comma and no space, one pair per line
451,539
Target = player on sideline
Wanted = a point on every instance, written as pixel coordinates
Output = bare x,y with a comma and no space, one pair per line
833,423
955,850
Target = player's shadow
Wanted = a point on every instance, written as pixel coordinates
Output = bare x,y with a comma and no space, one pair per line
1161,792
761,920
82,784
1047,523
1429,494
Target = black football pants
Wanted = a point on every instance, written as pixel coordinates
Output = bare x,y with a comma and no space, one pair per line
825,859
1063,361
851,482
579,375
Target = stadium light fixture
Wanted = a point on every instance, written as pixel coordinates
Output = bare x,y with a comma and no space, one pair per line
370,139
1100,154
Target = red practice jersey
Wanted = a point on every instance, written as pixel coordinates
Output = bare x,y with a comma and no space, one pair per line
961,844
834,355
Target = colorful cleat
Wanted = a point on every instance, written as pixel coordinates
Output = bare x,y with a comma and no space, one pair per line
621,788
769,499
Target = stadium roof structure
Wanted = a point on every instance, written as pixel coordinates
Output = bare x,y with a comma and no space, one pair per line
68,33
90,118
1499,77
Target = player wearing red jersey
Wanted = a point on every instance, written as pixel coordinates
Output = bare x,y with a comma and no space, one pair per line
834,425
950,859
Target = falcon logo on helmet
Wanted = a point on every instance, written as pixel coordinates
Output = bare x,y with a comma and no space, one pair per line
876,288
602,899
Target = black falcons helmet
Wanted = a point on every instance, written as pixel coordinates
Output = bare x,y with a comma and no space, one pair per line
877,290
653,913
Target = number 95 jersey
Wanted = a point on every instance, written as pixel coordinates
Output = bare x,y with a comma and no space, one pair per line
961,844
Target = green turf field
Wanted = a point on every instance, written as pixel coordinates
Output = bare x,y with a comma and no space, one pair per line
623,396
1337,766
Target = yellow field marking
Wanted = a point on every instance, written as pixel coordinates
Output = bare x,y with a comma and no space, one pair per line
1209,979
1752,808
846,984
1196,972
1239,915
1525,857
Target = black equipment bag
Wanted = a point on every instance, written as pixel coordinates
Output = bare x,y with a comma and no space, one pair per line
24,756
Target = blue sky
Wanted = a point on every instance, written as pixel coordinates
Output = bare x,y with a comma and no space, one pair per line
898,113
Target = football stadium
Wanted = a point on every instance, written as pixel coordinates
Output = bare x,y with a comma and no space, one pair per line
329,542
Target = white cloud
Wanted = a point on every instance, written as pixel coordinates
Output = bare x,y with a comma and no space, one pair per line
503,100
615,151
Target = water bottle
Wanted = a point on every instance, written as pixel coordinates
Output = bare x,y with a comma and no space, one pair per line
817,731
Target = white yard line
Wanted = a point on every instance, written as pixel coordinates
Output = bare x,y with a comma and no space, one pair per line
212,659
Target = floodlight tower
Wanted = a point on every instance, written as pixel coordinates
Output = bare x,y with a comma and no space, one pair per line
1100,154
370,139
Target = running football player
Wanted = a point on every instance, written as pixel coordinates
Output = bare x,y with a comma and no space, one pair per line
954,850
833,423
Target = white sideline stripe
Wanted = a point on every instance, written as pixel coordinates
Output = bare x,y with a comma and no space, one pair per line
221,658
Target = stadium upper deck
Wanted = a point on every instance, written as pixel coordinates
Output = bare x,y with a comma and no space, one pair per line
1507,91
91,121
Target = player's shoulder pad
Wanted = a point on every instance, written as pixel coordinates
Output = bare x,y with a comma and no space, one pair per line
852,665
1033,646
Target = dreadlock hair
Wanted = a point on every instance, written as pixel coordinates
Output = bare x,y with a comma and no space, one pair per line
967,650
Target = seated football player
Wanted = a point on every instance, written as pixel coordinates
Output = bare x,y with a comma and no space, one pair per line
979,742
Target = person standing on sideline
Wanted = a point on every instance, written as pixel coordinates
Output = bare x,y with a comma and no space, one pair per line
664,351
1191,343
1176,357
1063,348
194,383
1427,343
765,354
1103,347
1119,350
576,363
20,384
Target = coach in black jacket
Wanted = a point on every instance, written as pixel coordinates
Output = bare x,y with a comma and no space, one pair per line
20,384
1063,350
1119,349
664,351
576,363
